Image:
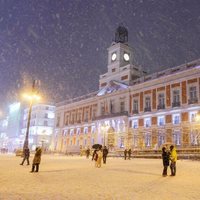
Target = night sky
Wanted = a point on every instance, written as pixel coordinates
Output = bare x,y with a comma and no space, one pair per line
64,43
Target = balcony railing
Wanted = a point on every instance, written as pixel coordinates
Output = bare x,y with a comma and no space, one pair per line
110,115
147,109
192,101
176,104
135,111
161,106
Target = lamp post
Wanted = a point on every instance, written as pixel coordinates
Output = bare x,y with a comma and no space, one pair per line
33,96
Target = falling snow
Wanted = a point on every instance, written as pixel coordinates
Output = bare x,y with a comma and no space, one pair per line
64,43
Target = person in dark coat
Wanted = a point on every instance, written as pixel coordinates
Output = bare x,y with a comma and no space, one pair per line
165,158
94,155
87,152
26,153
36,159
105,154
125,154
129,154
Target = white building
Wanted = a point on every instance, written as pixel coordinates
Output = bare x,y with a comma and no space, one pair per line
41,125
131,108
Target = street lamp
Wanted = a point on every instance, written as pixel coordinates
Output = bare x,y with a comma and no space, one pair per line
31,97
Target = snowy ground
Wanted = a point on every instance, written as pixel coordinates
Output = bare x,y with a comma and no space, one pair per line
76,178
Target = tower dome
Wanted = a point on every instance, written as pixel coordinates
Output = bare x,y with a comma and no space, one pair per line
121,35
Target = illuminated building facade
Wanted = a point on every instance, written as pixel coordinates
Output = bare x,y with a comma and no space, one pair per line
14,126
131,108
41,125
3,133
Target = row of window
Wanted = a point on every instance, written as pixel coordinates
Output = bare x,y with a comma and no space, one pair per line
78,131
176,119
176,139
110,107
176,99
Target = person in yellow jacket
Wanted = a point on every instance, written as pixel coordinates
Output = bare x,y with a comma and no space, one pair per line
173,159
99,159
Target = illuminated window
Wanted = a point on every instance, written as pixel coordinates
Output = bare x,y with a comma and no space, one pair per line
93,129
161,120
71,131
135,123
176,119
147,138
193,116
78,131
161,138
147,122
176,138
194,137
85,130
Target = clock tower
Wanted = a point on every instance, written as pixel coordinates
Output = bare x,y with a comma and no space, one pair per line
121,67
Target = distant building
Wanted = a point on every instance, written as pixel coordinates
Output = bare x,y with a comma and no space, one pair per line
41,125
131,108
14,125
3,133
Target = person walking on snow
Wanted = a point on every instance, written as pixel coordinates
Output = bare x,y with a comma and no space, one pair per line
87,152
99,159
105,154
125,154
36,159
26,155
165,158
129,154
173,159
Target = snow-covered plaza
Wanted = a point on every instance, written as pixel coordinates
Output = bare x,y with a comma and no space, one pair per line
76,178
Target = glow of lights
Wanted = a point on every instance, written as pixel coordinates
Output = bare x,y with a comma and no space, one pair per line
14,107
197,118
51,115
31,97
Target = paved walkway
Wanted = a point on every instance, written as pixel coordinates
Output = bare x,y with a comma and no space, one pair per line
76,178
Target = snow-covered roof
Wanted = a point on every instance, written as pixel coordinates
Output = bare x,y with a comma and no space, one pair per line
112,86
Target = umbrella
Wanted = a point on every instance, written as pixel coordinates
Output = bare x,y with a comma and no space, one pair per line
97,146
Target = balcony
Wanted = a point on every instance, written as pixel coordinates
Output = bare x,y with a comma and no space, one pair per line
110,115
193,100
161,106
86,120
147,109
176,104
135,111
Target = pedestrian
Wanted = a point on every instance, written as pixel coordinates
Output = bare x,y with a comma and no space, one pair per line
95,157
87,152
105,154
99,158
173,159
165,158
94,154
26,154
36,159
129,154
125,154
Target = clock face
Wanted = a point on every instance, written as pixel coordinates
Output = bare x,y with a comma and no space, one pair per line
126,57
114,56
